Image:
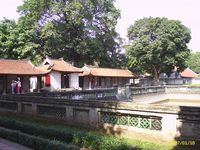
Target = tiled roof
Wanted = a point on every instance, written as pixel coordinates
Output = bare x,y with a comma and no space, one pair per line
188,73
45,68
19,67
107,72
62,66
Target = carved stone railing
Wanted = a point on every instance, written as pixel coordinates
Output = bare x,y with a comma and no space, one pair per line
183,89
129,92
139,121
95,94
147,90
113,116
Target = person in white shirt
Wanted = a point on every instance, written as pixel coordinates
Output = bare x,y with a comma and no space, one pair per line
13,86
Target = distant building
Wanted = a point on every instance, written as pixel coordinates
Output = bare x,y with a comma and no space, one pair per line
96,77
188,73
18,69
187,76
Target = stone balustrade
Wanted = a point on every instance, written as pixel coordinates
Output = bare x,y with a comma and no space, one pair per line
114,117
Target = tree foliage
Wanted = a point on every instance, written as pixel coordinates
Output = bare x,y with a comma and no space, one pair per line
157,45
15,42
193,62
82,31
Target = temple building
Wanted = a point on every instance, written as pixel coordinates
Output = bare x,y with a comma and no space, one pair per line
57,74
61,74
96,77
13,70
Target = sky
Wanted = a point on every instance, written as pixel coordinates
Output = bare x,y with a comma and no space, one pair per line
185,11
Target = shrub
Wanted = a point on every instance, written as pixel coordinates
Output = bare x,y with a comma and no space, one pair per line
86,140
33,141
82,139
100,142
34,129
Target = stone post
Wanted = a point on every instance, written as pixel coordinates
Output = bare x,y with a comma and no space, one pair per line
128,91
19,107
69,114
115,86
34,109
169,125
94,117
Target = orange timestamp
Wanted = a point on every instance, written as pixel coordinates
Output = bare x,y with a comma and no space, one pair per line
184,142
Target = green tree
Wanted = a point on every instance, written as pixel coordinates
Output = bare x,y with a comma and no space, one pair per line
193,62
82,31
157,45
15,41
7,38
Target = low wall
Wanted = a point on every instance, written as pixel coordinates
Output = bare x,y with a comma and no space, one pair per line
119,118
153,94
94,94
157,97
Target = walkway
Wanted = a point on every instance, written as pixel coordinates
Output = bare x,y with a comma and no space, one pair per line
8,145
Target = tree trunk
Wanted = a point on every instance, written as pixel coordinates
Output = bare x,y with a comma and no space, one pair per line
155,76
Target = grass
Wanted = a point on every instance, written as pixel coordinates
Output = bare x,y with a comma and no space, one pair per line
107,141
147,145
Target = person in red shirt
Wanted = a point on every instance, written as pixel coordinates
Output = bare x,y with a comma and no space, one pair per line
19,86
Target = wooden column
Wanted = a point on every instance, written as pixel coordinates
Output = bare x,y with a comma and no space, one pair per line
90,82
95,82
105,84
62,80
110,82
39,84
22,84
4,84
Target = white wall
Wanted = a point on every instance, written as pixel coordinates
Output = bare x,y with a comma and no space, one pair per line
33,83
55,80
196,81
74,80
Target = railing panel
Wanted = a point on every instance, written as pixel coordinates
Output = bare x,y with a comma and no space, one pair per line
51,111
9,105
145,122
146,90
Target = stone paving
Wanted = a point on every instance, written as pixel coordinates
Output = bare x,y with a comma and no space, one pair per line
8,145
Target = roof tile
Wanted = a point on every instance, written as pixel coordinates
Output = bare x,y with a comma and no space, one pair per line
188,73
19,67
107,72
62,66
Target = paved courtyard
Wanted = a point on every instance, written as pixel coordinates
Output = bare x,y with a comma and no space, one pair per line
8,145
